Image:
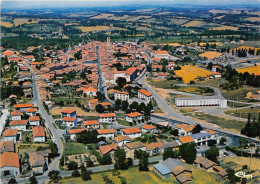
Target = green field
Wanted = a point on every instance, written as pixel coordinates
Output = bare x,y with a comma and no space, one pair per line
123,122
73,148
243,113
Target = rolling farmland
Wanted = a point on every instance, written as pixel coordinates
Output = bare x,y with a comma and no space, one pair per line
189,73
251,70
210,54
6,24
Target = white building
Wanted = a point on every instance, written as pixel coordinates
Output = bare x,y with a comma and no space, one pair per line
16,115
74,132
107,133
149,128
34,121
31,112
201,102
161,54
143,94
133,132
18,124
202,138
122,140
121,95
10,135
107,117
38,134
69,121
92,124
11,165
134,116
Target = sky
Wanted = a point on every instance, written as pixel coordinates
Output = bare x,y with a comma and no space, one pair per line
29,4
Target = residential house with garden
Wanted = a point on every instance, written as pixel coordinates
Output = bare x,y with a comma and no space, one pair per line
38,134
132,132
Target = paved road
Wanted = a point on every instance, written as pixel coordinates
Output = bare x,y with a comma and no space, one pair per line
56,134
3,120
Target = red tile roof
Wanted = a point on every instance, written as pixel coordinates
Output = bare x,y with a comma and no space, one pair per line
130,70
76,131
67,111
10,132
143,91
9,159
134,114
148,127
107,148
38,131
92,122
31,110
69,119
121,138
131,130
106,131
122,92
23,105
34,118
17,122
186,139
105,115
16,113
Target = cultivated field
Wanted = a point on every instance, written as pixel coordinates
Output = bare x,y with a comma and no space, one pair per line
210,54
192,23
225,28
102,16
20,21
80,112
6,24
93,28
253,19
189,73
252,70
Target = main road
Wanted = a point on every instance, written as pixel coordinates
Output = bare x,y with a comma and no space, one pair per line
56,134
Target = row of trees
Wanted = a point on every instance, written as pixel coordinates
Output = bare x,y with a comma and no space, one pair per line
252,127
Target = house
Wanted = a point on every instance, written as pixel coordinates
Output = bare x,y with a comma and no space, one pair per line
204,163
38,134
39,160
10,135
74,132
7,146
132,132
34,121
121,95
172,144
16,115
132,146
18,124
202,138
185,129
9,165
68,113
220,171
216,74
214,134
107,117
108,149
23,107
143,94
69,121
107,133
92,124
161,54
154,148
148,128
92,104
185,139
122,140
174,166
132,73
31,111
90,91
134,117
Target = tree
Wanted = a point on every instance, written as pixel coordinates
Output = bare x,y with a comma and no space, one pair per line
118,102
33,180
196,129
75,173
242,141
89,162
12,181
54,149
87,137
121,81
85,174
210,65
72,165
120,159
143,162
83,75
212,154
78,55
222,140
99,108
100,96
124,105
106,160
168,153
188,152
174,132
231,176
54,176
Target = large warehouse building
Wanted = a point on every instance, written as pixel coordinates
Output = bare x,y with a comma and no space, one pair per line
201,101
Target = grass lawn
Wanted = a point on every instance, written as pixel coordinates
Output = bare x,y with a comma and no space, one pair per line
26,148
202,177
222,122
26,134
132,175
165,84
196,90
236,105
73,148
123,122
243,113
